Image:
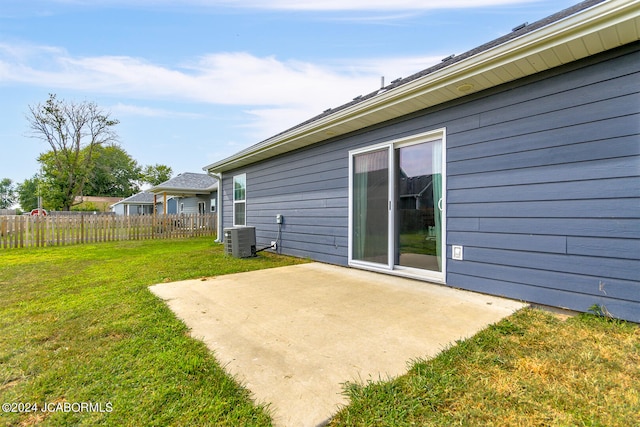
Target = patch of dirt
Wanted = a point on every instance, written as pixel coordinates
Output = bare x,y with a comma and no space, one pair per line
10,384
559,313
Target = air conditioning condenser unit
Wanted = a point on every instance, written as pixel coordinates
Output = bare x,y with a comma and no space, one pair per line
240,242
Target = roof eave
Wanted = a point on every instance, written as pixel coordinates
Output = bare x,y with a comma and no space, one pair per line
175,191
612,24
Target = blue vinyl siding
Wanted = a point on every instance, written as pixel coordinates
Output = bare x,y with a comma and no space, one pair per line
309,188
190,204
543,187
545,195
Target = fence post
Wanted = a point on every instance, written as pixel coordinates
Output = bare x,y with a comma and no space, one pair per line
34,230
42,232
14,243
26,232
47,233
4,234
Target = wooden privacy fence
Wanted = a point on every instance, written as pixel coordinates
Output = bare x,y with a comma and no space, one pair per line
39,231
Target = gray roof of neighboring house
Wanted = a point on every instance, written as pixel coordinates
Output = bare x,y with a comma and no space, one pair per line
187,183
137,199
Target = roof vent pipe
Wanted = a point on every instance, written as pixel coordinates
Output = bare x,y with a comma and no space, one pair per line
519,27
382,82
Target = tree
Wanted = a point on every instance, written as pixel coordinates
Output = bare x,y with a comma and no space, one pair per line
73,131
7,195
27,193
114,173
156,174
52,183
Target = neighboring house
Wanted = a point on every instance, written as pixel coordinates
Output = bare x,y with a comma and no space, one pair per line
512,169
188,193
138,204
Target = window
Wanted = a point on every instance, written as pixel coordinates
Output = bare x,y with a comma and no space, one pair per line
239,199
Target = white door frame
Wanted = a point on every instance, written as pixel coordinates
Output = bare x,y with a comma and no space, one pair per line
389,267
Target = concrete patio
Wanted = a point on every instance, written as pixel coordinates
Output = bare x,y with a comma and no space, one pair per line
293,335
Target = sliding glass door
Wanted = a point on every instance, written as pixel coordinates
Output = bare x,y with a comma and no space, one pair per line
397,206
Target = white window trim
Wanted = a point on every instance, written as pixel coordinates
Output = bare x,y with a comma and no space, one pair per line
390,268
233,196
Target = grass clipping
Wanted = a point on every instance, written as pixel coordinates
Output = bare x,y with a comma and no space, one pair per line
532,369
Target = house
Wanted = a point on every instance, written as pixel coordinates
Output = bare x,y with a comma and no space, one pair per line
188,193
139,204
512,169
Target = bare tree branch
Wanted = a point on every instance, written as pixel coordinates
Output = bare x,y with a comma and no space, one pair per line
73,131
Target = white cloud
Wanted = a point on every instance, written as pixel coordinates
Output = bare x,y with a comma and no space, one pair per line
274,94
361,5
311,5
232,78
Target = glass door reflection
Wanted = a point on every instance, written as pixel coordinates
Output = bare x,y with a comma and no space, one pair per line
419,206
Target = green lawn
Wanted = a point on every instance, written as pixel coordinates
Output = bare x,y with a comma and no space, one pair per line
417,243
79,325
531,369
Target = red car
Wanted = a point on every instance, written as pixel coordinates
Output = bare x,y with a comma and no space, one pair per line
36,212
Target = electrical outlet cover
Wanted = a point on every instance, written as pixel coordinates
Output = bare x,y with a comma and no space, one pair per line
456,252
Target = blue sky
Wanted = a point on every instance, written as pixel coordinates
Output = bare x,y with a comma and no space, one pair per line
194,81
